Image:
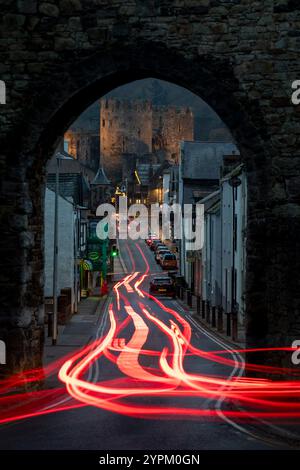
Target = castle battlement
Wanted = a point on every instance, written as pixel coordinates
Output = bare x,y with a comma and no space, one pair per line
114,105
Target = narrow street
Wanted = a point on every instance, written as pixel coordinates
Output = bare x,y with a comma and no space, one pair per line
160,414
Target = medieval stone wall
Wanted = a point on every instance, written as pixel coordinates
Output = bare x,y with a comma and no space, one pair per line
125,127
170,126
84,146
240,56
138,127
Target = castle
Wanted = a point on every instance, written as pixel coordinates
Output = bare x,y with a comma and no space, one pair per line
131,127
140,128
84,145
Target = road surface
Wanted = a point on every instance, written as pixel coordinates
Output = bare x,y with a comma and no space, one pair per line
146,342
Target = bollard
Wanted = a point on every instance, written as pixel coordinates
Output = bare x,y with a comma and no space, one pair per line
181,293
189,298
203,308
213,317
228,324
207,311
234,327
50,324
220,319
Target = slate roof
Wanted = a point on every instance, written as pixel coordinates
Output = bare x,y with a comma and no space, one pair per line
71,185
203,160
74,179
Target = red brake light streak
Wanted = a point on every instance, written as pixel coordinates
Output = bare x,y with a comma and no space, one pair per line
167,377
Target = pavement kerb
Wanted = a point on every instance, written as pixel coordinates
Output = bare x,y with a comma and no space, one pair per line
196,317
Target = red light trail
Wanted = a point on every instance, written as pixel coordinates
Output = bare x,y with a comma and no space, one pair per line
133,312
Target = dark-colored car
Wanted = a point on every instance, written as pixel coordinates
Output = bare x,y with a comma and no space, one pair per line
157,247
155,243
162,285
159,252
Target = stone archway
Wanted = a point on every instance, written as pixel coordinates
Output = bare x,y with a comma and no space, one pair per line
49,106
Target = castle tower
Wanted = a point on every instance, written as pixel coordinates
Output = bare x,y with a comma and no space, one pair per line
125,127
171,125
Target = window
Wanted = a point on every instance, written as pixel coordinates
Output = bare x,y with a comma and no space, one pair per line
169,257
103,122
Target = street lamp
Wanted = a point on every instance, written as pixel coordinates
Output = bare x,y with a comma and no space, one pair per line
59,156
234,182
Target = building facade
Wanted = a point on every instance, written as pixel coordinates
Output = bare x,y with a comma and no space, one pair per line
66,245
138,127
83,145
233,200
198,176
223,267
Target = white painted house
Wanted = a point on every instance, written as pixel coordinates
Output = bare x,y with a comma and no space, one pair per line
212,250
199,176
234,224
224,250
66,247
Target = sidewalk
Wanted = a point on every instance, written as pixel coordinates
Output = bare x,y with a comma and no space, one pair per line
239,343
76,333
81,328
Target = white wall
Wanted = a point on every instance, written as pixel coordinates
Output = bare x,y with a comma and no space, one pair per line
211,258
217,253
227,234
66,227
227,246
240,254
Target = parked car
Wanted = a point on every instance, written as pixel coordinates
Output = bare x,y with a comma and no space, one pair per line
161,255
162,285
159,252
169,262
160,246
155,243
